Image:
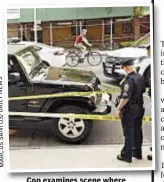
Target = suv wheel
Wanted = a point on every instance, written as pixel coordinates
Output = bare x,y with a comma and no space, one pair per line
71,130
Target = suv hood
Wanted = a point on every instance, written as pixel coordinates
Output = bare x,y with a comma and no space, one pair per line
67,76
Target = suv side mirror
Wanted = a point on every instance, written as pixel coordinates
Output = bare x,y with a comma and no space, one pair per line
14,77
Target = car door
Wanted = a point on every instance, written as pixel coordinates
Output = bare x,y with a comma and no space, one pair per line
16,89
35,105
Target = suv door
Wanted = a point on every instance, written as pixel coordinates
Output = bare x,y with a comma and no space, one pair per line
15,89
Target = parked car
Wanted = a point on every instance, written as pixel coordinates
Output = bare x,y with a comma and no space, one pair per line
13,40
28,75
112,68
52,56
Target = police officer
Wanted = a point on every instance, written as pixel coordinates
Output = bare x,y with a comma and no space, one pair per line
149,157
131,111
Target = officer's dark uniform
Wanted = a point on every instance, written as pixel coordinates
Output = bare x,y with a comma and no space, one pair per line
149,157
132,88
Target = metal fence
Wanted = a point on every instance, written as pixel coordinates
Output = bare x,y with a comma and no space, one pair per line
64,33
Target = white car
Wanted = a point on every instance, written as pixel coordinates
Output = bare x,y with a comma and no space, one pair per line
52,56
13,40
112,68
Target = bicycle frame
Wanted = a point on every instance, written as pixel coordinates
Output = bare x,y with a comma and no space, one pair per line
78,51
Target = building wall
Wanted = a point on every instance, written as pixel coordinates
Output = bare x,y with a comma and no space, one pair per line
62,34
12,30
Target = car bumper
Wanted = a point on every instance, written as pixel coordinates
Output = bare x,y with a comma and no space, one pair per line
104,106
112,71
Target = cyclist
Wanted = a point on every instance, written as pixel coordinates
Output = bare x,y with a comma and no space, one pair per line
79,43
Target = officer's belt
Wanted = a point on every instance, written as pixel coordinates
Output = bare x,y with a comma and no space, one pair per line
136,102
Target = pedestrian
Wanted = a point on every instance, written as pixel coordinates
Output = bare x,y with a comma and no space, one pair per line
129,108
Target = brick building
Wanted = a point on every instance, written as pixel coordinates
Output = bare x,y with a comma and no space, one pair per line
60,26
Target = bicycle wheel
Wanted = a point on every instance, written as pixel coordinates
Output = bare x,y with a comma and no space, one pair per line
94,58
72,59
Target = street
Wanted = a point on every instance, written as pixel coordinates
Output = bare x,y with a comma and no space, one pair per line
103,133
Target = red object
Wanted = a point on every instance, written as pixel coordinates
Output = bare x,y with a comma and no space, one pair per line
79,39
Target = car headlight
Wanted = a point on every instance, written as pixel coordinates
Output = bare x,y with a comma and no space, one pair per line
58,53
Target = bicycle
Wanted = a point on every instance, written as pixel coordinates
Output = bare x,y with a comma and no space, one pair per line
107,46
73,58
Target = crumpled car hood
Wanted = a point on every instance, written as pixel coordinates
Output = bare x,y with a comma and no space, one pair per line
67,76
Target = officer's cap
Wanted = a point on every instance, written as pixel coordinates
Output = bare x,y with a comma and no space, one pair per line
127,61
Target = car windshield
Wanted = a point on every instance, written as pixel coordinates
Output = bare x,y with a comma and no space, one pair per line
29,60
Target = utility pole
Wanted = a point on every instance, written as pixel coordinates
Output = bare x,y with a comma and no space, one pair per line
51,35
35,25
111,34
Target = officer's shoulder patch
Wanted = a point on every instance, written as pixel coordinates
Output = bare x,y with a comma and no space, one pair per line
126,87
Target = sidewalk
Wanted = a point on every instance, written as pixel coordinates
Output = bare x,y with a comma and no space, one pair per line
76,158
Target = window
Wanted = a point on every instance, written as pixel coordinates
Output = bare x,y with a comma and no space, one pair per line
108,27
29,60
75,28
145,25
12,65
127,27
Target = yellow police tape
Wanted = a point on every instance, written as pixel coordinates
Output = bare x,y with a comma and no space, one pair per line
65,94
72,115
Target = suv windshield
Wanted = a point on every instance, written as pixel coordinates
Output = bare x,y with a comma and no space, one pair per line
29,60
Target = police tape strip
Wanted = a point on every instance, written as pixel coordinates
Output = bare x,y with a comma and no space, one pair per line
116,88
65,94
72,115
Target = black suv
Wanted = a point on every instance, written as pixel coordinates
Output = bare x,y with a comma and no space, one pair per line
28,75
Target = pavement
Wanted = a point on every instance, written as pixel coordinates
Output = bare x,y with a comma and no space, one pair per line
75,158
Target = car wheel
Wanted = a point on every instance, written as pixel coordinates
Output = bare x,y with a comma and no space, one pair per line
71,130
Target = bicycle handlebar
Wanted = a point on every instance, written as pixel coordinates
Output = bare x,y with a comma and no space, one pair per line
89,48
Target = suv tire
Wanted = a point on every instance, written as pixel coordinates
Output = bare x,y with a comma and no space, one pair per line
71,131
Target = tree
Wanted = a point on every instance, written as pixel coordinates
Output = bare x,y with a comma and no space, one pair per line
138,11
108,9
137,14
